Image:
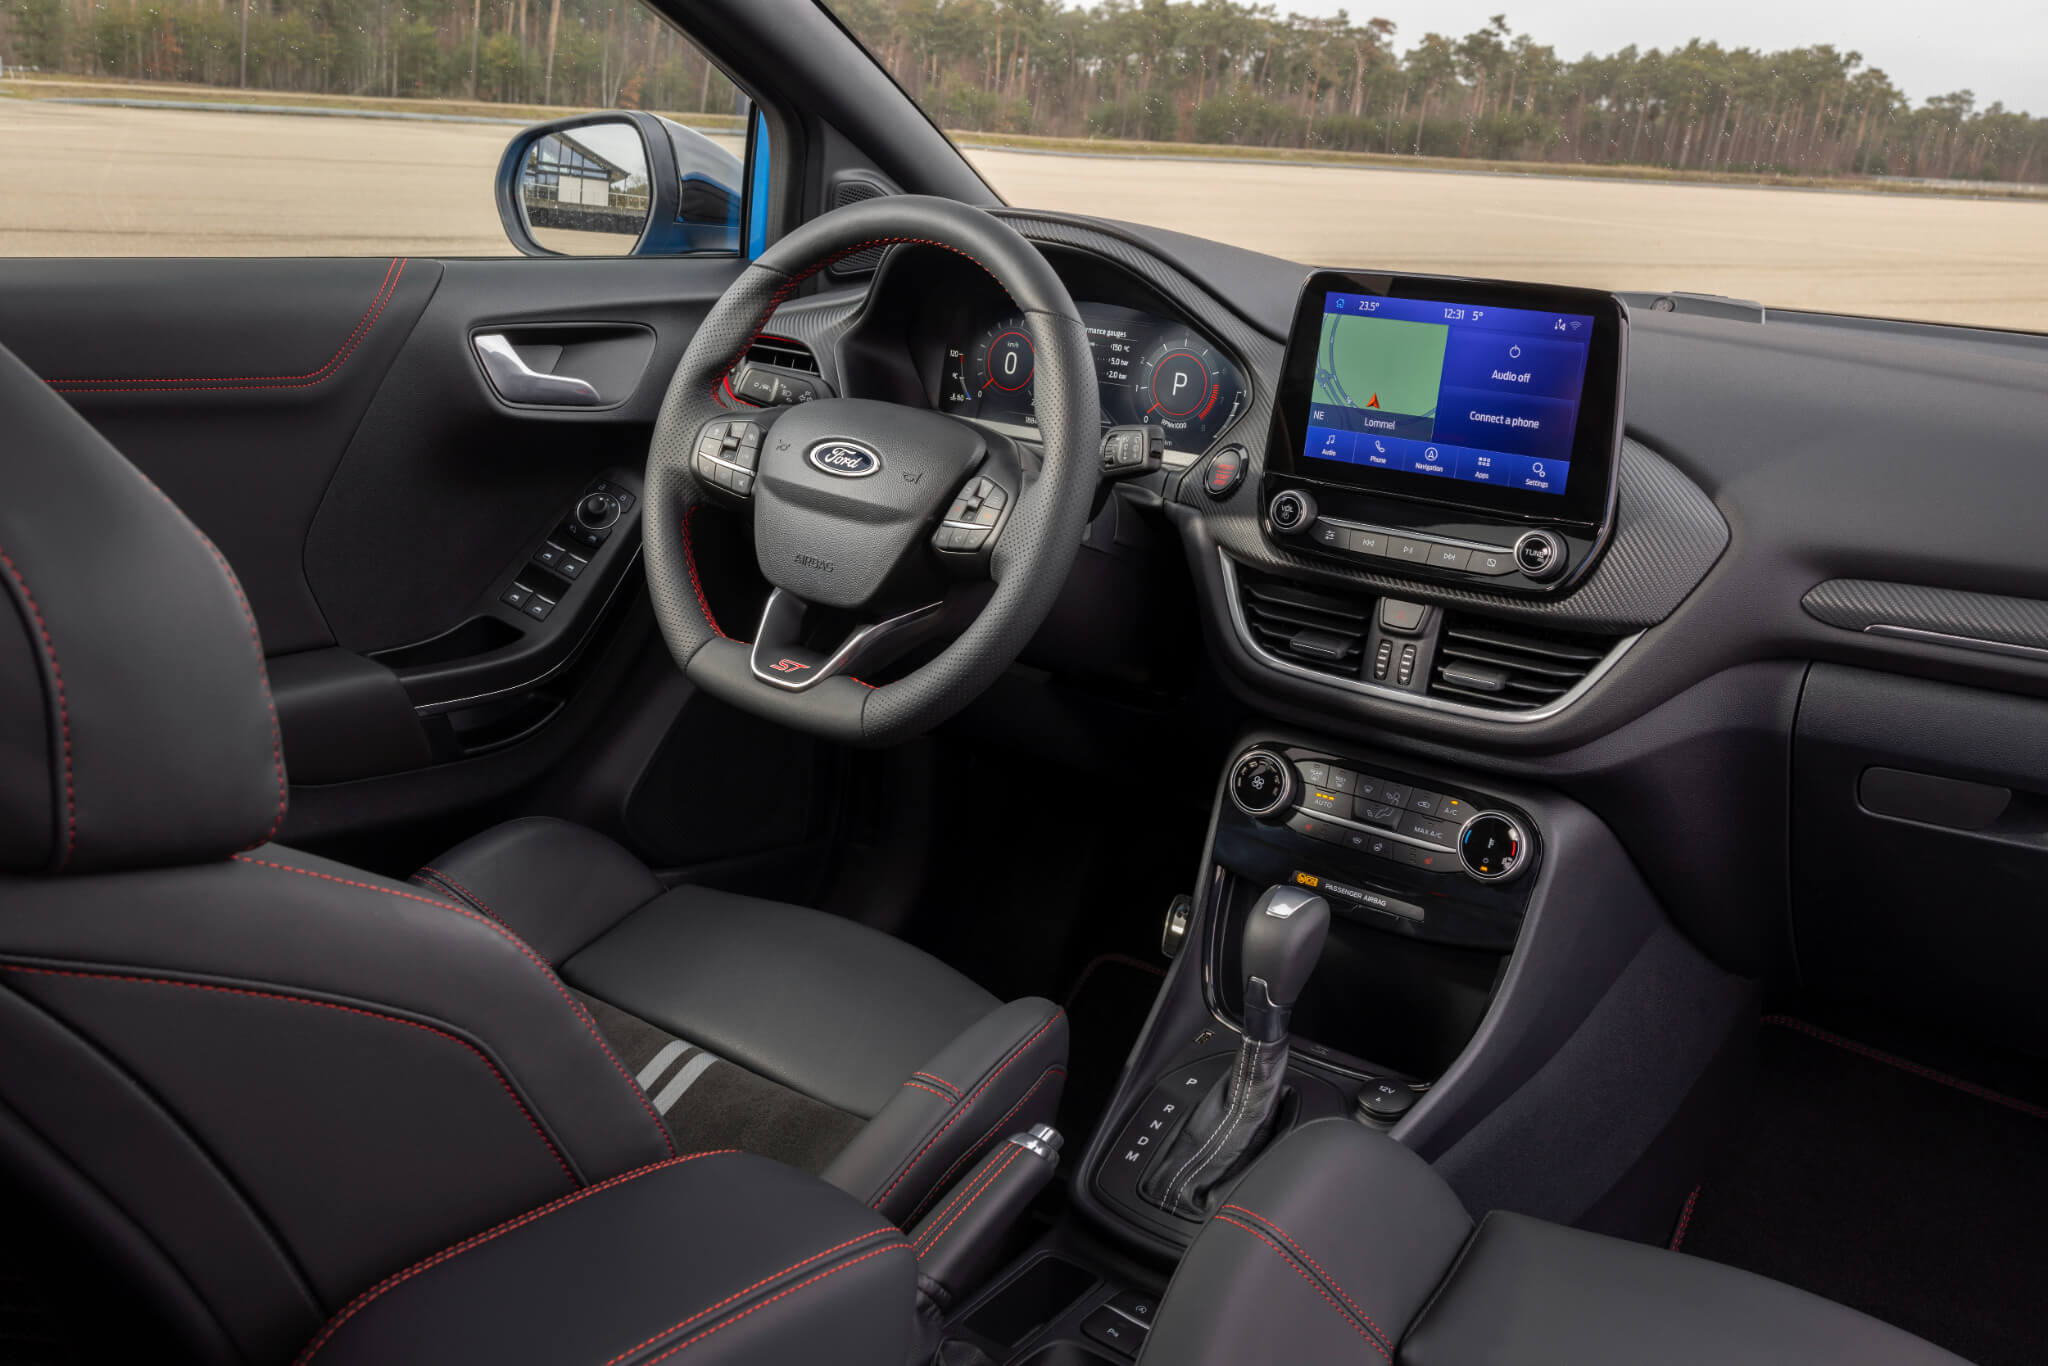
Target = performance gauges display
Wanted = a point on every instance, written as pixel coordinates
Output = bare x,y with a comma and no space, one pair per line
1148,369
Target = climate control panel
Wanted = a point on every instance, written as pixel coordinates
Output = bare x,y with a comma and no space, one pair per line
1420,854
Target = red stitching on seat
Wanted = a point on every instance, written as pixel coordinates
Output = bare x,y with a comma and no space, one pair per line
742,1294
1318,1269
262,669
940,1080
688,1342
547,972
138,385
1016,1152
391,1282
63,714
1685,1219
467,895
1968,1088
1289,1263
964,1108
932,1091
980,1144
324,1005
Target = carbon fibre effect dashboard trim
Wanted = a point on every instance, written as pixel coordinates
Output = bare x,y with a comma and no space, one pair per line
1935,616
1242,627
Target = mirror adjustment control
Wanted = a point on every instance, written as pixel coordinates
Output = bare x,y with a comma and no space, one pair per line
1540,554
1262,783
1492,847
597,511
1291,510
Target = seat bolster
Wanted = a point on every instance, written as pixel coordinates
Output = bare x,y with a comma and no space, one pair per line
725,1256
1002,1075
1327,1249
1538,1294
555,884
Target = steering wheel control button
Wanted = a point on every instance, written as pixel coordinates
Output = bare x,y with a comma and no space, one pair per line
1225,472
1292,510
1492,847
1262,783
1540,554
1385,1101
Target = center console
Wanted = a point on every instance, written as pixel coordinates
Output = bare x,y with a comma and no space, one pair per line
1488,945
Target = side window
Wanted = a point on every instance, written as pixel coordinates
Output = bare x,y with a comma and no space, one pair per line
366,127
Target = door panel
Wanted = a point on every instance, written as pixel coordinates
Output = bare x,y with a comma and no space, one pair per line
329,425
235,385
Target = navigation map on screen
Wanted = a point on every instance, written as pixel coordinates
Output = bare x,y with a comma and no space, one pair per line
1486,395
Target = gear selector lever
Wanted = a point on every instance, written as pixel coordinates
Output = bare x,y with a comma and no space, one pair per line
1283,938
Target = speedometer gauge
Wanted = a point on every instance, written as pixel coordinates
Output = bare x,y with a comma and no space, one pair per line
1185,387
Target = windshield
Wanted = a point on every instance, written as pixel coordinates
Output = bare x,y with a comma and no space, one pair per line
1833,159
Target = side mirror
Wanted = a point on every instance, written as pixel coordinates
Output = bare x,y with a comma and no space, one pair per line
626,183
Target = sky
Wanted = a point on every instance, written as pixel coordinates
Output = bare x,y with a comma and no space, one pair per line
1998,48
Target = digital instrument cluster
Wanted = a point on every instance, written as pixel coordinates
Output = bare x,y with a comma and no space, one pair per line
1149,369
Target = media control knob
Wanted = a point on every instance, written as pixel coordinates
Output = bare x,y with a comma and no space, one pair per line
1492,847
598,511
1540,554
1262,783
1291,510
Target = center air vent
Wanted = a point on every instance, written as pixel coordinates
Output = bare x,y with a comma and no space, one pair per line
1312,627
783,354
1484,663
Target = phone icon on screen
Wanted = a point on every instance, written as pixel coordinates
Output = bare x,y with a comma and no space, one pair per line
1380,446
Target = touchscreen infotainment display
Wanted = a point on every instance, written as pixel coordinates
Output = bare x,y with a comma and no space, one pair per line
1485,395
1455,391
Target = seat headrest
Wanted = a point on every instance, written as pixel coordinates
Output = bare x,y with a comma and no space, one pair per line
136,726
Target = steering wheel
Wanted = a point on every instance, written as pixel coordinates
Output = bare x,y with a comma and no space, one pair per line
880,527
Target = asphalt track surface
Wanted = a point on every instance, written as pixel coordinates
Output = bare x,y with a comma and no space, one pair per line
100,180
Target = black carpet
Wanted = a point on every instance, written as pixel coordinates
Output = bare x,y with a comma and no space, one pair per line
1914,1196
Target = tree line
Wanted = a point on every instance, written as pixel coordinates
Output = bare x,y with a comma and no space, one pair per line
576,53
1217,71
1207,71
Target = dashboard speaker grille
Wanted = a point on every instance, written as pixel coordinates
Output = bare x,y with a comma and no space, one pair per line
1483,663
1312,627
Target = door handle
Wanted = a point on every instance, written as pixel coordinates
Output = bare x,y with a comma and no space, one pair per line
518,382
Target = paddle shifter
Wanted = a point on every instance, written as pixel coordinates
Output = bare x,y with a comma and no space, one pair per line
1283,938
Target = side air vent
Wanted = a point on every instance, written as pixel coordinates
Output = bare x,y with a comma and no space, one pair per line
783,354
1313,627
1484,663
852,187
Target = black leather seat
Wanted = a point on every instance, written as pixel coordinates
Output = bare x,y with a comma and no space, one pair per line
795,1034
1342,1246
261,1079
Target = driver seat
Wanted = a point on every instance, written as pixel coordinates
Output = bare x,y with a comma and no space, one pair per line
257,1080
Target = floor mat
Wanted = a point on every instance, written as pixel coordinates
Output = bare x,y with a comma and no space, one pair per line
1106,1009
1907,1193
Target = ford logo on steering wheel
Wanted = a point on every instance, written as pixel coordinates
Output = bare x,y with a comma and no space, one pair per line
847,459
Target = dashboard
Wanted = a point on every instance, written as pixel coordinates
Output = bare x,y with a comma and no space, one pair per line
1150,369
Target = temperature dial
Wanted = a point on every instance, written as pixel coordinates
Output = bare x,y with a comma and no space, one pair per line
1492,847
